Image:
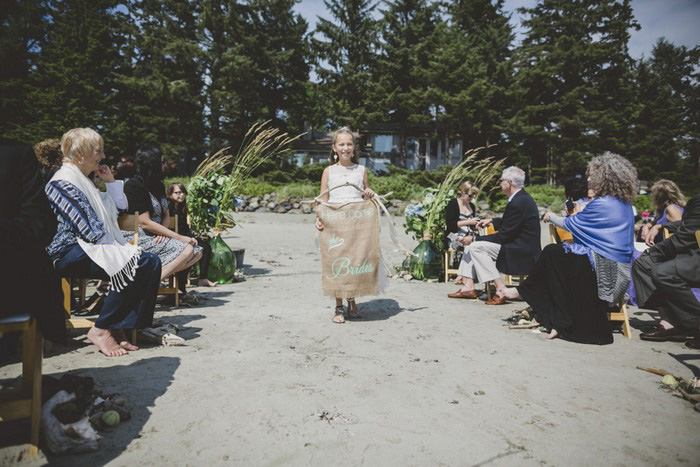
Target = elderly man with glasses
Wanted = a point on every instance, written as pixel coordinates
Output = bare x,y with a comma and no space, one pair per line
514,248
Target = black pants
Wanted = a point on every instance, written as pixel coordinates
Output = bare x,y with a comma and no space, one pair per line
563,293
659,284
133,306
203,266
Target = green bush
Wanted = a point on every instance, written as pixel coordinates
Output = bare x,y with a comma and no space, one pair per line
254,187
548,196
311,172
298,190
643,203
277,176
401,186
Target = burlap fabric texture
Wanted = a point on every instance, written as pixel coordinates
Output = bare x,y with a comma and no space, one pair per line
349,249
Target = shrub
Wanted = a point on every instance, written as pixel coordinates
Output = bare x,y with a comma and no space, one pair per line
298,190
254,187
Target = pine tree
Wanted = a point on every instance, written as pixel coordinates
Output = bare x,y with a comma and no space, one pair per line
73,76
346,54
161,99
21,32
474,71
409,40
573,86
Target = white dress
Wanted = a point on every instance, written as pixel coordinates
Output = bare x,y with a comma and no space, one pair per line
355,174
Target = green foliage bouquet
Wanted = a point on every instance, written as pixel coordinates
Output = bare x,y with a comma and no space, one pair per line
212,190
426,220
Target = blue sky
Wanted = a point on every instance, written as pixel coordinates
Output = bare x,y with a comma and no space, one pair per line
676,20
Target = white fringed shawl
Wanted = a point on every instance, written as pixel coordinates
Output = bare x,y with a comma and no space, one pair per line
119,259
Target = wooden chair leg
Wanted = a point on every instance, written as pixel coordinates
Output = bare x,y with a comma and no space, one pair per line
134,335
626,330
33,347
447,265
65,285
82,285
174,282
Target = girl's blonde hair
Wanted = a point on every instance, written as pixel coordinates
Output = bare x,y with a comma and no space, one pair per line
468,187
664,193
333,157
79,143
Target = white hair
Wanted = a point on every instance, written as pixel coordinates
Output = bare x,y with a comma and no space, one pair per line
515,175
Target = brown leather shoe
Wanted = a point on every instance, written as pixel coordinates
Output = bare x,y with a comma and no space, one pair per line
459,294
496,300
661,334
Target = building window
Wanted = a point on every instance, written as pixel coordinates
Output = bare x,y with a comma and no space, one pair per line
383,143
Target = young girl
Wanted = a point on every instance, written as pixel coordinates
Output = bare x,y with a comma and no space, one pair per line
344,168
177,196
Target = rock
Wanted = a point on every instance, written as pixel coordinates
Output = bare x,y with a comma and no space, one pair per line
267,196
249,208
280,209
271,205
253,206
263,209
483,206
296,205
255,200
407,277
294,211
306,208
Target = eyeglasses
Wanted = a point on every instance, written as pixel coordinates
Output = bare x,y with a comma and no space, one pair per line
503,180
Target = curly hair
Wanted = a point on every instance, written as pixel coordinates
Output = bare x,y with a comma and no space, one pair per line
149,169
612,175
468,187
49,154
333,157
664,193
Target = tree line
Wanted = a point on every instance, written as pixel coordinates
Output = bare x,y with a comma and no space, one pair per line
194,76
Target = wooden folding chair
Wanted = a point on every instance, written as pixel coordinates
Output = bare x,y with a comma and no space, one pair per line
558,235
667,233
173,281
448,262
25,402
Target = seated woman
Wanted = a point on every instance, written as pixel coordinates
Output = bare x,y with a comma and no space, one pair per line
572,286
177,196
88,243
460,215
669,203
145,193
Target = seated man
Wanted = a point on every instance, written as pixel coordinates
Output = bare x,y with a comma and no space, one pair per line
663,277
513,249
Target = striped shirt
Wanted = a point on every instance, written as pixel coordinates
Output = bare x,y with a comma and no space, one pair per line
76,218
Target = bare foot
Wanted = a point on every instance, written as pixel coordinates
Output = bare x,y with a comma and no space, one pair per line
553,334
104,341
206,283
511,293
459,280
352,308
120,337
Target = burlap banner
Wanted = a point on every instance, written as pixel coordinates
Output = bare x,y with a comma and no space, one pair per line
350,249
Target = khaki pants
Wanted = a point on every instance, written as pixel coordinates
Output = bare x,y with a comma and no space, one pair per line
479,261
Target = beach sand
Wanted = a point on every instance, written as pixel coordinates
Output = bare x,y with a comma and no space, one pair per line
418,379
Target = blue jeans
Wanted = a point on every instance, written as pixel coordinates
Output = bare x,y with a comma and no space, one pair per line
133,306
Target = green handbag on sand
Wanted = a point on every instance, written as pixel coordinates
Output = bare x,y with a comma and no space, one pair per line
223,262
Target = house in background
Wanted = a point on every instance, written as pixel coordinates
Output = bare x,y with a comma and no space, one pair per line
380,146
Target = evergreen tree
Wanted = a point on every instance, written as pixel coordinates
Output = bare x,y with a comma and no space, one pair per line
403,91
73,76
574,86
161,99
22,27
474,71
665,138
345,54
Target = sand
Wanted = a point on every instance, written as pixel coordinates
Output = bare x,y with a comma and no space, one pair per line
419,379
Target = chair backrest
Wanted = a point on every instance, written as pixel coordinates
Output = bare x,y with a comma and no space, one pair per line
697,237
173,224
130,223
667,233
489,229
559,235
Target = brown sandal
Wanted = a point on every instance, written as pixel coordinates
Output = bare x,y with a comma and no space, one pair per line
352,308
339,317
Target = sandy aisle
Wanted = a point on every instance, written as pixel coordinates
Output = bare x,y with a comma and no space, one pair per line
267,379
